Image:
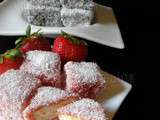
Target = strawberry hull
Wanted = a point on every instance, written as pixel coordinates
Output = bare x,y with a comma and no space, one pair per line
35,43
70,48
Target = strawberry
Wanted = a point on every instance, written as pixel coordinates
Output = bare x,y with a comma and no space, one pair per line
12,59
34,41
70,48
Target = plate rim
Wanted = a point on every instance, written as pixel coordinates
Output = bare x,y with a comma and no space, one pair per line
127,91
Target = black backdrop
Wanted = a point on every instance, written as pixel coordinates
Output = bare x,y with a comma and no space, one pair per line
121,63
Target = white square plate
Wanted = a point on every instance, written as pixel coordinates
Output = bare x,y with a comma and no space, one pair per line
104,31
114,94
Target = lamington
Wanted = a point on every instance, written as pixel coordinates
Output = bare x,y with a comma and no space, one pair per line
84,78
46,102
82,4
42,14
84,109
16,90
45,66
76,17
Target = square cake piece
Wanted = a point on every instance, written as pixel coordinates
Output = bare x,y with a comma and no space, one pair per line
42,15
82,4
76,17
84,109
16,90
84,78
46,102
44,65
53,3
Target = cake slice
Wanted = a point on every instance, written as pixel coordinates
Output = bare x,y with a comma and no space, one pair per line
16,90
84,109
46,102
84,78
76,17
41,15
82,4
45,66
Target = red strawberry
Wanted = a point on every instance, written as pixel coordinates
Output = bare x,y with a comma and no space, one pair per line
34,41
70,48
12,59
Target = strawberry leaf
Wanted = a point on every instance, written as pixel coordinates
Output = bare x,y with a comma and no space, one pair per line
10,57
1,59
19,40
12,54
15,52
71,38
28,30
19,45
37,33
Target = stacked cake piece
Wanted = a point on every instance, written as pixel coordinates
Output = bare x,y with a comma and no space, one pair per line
84,78
44,65
84,109
42,12
16,90
77,12
59,12
45,103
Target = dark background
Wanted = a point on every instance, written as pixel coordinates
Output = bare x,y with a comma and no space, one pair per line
121,63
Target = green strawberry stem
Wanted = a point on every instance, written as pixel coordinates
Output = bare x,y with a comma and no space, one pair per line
20,40
72,39
37,33
28,31
10,54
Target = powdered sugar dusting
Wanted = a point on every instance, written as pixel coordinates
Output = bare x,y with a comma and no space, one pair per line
43,59
86,109
42,63
47,95
84,72
15,88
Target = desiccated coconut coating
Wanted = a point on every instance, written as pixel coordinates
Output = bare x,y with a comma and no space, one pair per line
83,4
58,13
16,90
84,109
44,65
53,3
48,97
41,15
76,17
84,78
